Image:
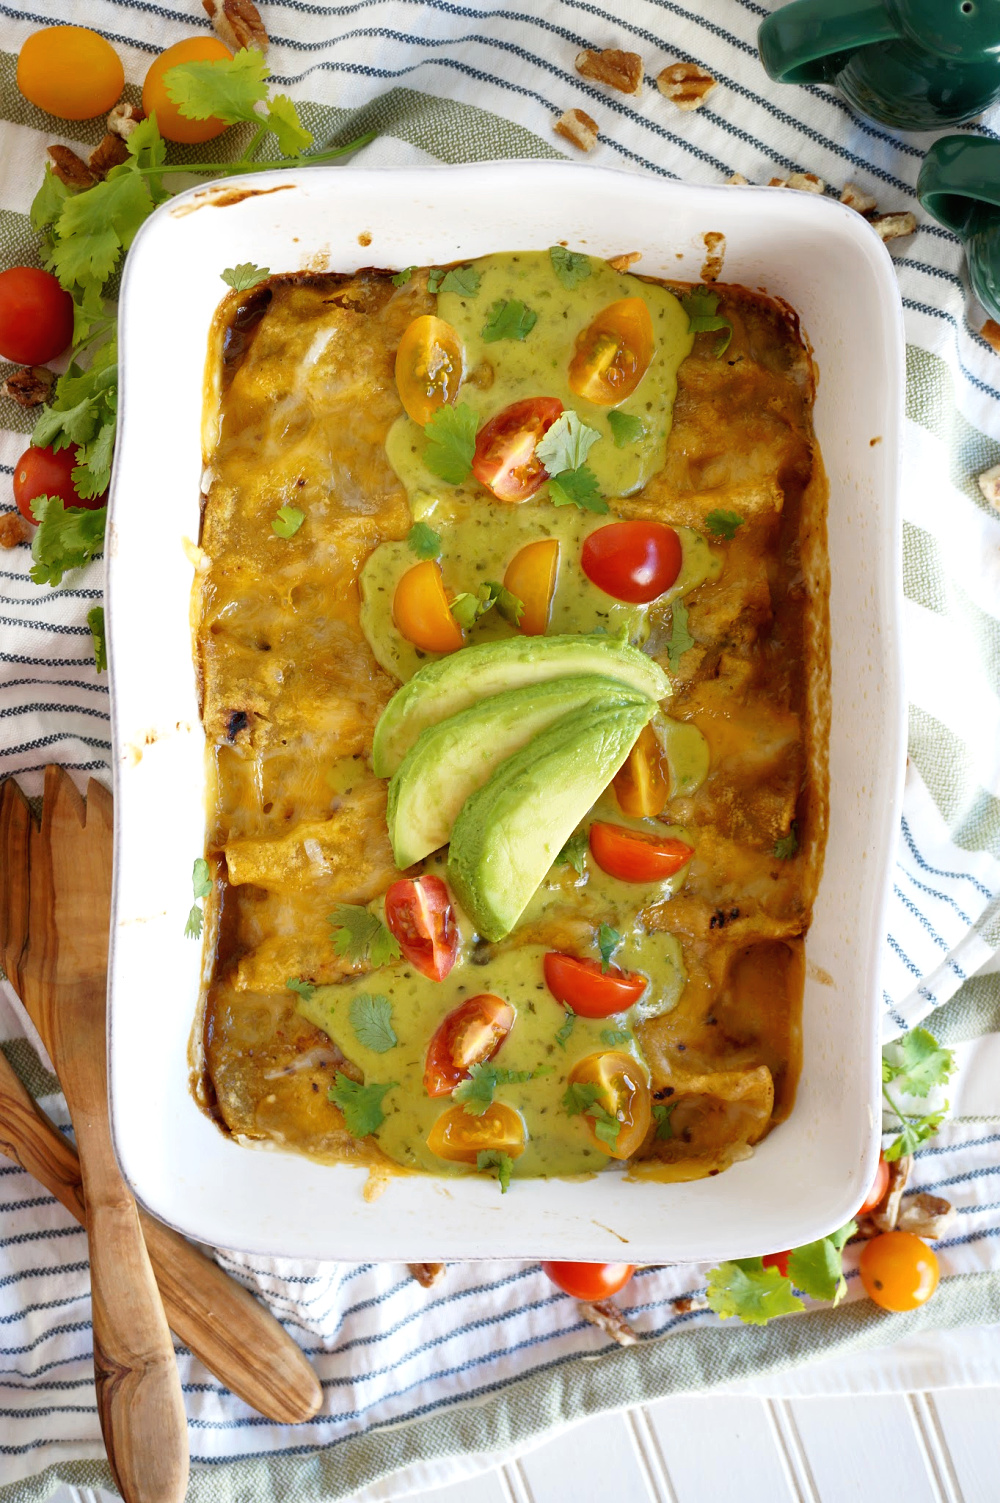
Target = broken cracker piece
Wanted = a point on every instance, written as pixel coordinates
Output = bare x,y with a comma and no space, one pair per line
619,70
892,226
30,386
856,198
110,152
685,85
427,1274
578,128
70,169
606,1316
989,484
622,263
237,23
807,182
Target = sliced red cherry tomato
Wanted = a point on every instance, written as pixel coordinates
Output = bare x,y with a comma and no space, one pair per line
613,353
531,576
428,367
470,1035
36,316
418,912
623,1094
899,1271
420,609
505,460
590,1281
632,561
879,1185
778,1260
582,986
632,856
461,1137
49,472
640,784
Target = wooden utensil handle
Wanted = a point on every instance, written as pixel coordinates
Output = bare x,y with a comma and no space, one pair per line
235,1336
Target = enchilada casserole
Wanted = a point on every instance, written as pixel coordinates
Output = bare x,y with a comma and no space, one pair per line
511,633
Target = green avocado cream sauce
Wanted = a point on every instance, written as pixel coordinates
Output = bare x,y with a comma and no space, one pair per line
479,538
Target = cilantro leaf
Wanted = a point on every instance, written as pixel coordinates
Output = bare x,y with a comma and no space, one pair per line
467,609
287,521
608,940
66,538
570,267
91,475
95,620
817,1268
577,488
371,1019
723,524
916,1130
360,935
681,639
195,920
924,1063
461,279
241,278
95,226
47,204
402,277
360,1104
574,852
569,1023
625,429
305,989
614,1036
566,443
424,541
226,89
581,1098
201,879
662,1112
787,846
501,1162
700,306
476,1093
508,319
451,442
283,121
747,1289
507,604
84,402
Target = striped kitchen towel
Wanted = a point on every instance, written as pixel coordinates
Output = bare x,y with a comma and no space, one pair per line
494,1355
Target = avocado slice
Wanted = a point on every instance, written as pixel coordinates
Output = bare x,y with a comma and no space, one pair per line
451,684
449,761
509,833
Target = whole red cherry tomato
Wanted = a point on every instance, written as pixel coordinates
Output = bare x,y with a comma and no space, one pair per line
36,316
470,1035
49,472
587,989
505,460
778,1260
418,912
632,561
590,1281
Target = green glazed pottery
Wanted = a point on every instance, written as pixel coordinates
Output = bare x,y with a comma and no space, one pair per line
911,64
959,184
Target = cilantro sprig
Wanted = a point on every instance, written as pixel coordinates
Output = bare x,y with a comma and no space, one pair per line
244,276
723,524
66,538
201,885
305,989
467,609
581,1098
489,1159
360,1104
700,306
745,1288
360,935
919,1065
476,1093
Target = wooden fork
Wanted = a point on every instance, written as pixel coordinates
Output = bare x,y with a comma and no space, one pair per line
55,906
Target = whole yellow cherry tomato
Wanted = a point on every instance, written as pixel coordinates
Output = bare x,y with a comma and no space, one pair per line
156,101
899,1271
70,72
428,367
421,612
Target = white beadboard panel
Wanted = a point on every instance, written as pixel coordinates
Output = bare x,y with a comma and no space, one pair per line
716,1448
864,1448
487,1488
969,1420
594,1460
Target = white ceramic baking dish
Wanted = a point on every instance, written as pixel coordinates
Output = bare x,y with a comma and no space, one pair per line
811,1173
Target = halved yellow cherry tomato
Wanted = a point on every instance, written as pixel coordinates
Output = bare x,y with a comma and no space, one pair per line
531,576
70,72
459,1136
613,353
641,785
156,101
624,1095
428,367
420,609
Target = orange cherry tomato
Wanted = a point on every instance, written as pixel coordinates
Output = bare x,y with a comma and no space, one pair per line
419,914
49,472
470,1035
899,1271
613,353
505,460
632,561
587,989
36,316
590,1281
429,365
879,1186
778,1260
156,100
624,1093
640,784
632,856
70,72
420,609
531,576
461,1137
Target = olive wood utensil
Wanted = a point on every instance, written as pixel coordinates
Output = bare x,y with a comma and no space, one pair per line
55,904
234,1335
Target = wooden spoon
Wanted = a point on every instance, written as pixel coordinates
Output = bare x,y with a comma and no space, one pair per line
233,1334
55,905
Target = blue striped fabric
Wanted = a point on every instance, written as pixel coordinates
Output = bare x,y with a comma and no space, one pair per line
466,82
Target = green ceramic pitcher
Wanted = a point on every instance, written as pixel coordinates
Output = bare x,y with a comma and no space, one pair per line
959,184
911,64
